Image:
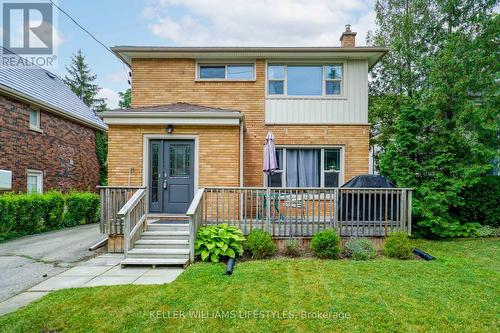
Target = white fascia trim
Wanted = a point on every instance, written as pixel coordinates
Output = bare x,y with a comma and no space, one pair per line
172,121
47,107
171,118
140,114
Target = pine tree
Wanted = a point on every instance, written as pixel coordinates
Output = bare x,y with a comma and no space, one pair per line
81,81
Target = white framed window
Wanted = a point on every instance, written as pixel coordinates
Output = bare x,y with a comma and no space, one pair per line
305,80
34,181
34,122
307,167
229,72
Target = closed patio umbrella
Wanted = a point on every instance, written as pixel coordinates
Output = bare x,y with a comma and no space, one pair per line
270,163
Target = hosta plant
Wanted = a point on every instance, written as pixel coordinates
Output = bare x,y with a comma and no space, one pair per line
216,241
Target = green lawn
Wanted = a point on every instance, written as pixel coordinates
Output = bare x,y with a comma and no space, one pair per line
458,292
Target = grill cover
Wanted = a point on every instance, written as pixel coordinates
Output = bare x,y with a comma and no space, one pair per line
370,181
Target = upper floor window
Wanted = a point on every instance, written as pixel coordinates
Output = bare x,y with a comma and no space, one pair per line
34,119
226,72
305,80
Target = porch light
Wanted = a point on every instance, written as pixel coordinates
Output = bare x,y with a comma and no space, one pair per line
170,129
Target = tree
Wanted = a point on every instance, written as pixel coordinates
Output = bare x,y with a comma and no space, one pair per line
443,131
125,99
81,81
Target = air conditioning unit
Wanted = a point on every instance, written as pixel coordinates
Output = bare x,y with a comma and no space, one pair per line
5,180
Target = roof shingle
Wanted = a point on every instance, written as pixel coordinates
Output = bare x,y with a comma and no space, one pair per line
46,88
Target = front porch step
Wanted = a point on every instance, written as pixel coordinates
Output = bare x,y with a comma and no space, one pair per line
166,235
154,262
168,227
162,244
167,217
159,253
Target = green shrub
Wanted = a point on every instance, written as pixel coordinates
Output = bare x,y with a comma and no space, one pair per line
260,244
215,241
360,249
81,208
325,244
481,203
292,248
25,214
54,209
487,231
398,245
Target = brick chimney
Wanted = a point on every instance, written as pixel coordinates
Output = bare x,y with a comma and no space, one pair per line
348,38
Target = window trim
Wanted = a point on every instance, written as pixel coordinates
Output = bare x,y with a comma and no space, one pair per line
39,175
38,115
322,162
225,64
343,93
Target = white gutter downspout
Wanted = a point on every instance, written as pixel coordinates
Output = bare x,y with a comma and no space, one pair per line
241,153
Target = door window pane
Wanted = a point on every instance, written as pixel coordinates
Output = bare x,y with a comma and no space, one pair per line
242,72
305,80
155,172
179,161
212,72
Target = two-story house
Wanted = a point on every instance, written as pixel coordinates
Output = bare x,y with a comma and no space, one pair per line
205,112
200,116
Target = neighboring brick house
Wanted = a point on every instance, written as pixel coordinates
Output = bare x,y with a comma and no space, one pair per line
47,134
208,110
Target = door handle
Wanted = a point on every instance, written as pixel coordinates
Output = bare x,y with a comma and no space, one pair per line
164,184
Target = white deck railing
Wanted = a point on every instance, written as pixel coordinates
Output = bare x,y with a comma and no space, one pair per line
134,214
301,212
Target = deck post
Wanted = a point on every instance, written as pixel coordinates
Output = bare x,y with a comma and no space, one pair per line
268,209
409,211
335,208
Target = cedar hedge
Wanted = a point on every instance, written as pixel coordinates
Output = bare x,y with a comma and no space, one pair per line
26,214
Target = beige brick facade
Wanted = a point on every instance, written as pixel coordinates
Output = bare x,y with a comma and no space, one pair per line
162,81
218,153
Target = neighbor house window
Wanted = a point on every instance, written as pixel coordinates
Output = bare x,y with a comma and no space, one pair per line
226,72
305,80
34,181
307,167
34,119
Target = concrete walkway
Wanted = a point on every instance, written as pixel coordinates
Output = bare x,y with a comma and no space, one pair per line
104,270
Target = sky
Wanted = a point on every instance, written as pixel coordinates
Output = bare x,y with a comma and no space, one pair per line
198,23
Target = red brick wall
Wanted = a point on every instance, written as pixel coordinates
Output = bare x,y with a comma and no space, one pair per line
65,151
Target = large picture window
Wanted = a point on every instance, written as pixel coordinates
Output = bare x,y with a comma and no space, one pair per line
305,80
307,167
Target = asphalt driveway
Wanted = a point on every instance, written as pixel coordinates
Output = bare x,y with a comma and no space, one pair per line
25,261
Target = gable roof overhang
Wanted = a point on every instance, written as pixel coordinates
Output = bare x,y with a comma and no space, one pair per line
13,93
371,54
173,114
